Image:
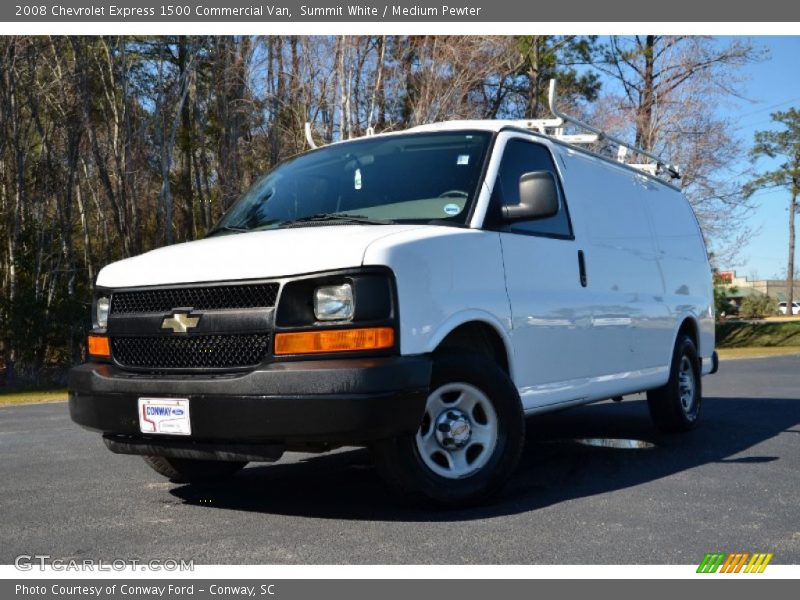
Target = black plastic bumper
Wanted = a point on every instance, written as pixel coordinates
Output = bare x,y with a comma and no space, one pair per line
332,401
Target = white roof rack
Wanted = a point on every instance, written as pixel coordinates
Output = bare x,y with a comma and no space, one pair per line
555,128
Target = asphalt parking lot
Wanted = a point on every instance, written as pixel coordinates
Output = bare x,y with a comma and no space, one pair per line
731,485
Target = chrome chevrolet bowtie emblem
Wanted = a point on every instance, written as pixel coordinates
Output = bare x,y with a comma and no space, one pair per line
180,322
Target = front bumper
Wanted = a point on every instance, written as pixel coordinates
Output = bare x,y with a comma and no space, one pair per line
345,401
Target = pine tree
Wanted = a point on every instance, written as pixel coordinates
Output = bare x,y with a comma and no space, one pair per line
783,145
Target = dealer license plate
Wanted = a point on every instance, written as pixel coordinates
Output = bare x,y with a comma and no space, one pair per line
165,415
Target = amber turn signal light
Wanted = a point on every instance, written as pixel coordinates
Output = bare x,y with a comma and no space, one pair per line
334,340
98,346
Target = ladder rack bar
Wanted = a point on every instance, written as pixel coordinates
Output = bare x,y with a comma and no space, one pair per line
660,163
646,167
580,138
540,125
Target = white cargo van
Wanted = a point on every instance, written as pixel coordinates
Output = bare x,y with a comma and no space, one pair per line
419,293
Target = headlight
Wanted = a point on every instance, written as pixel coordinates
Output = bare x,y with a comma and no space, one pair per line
101,311
334,302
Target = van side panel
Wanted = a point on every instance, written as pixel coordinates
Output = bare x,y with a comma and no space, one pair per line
684,262
445,277
651,254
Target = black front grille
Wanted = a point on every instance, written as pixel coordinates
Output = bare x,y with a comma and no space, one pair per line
259,295
191,352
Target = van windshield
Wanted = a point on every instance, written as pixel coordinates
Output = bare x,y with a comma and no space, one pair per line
408,178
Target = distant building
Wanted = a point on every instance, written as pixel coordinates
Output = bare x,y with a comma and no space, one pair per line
743,287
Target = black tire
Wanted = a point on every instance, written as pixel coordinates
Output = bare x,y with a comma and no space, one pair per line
399,461
187,470
672,408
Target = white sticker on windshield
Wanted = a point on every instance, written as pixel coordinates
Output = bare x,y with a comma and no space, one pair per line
463,159
357,179
452,209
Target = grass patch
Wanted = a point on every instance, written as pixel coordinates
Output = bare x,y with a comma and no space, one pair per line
759,335
757,352
32,396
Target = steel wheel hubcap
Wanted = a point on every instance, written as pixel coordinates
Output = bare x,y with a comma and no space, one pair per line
686,385
453,429
459,431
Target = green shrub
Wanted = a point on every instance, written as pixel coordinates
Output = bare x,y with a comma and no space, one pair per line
754,307
739,334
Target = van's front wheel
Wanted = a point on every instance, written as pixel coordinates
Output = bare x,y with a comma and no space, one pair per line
470,436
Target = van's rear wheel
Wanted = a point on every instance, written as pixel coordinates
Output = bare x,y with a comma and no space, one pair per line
470,436
676,406
187,470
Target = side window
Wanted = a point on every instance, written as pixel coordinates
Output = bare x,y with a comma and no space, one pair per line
521,157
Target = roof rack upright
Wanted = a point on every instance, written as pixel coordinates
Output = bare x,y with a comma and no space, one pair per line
555,128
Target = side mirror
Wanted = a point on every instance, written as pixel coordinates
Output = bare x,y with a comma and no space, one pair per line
538,198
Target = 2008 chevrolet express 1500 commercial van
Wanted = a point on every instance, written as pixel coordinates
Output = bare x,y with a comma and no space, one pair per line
419,293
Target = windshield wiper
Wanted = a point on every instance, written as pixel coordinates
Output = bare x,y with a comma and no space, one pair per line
315,218
227,228
334,217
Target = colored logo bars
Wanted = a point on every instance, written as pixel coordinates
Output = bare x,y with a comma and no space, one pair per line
734,563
